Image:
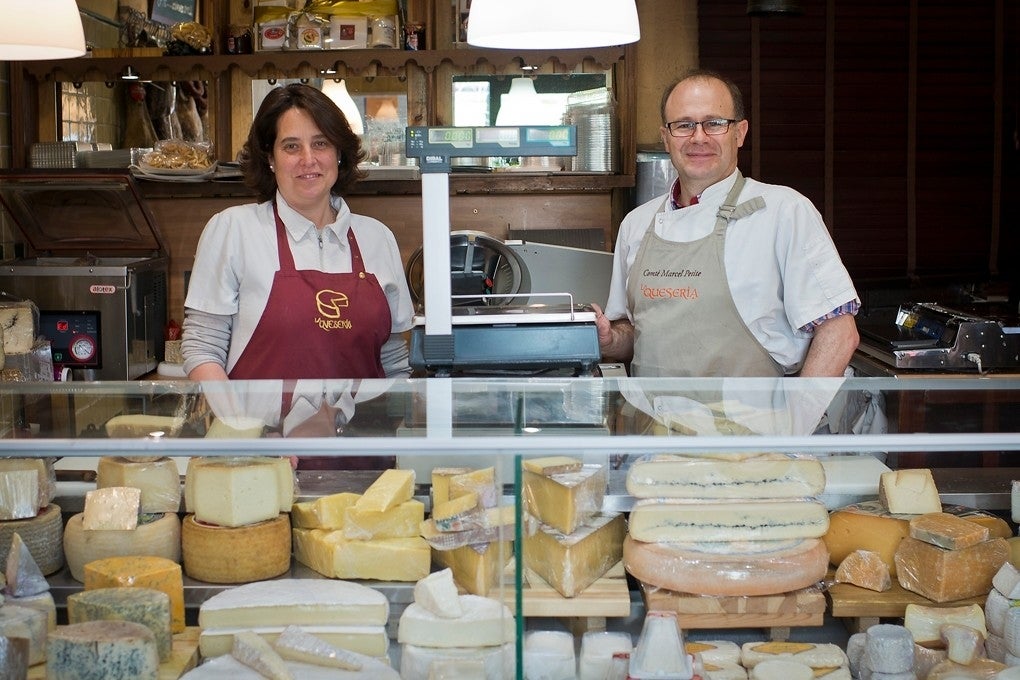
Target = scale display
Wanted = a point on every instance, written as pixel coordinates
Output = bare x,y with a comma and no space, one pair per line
435,146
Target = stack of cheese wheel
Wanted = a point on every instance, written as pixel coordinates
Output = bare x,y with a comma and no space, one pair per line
931,628
133,511
27,611
344,614
1003,599
447,635
237,529
470,532
780,660
364,536
27,487
571,543
727,524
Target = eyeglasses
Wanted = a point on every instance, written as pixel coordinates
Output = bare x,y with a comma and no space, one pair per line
686,128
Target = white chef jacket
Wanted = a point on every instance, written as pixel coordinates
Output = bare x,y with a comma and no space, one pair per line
781,264
237,258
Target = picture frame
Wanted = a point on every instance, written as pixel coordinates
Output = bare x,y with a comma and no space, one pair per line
172,12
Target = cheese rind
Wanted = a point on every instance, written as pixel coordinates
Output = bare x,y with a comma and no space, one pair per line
815,655
294,644
13,657
944,575
1007,581
146,606
909,492
26,485
497,661
766,475
572,562
112,650
112,508
386,559
22,574
565,501
888,648
684,520
257,654
726,568
155,536
552,465
253,552
947,531
31,624
141,572
232,492
302,602
485,622
368,640
42,534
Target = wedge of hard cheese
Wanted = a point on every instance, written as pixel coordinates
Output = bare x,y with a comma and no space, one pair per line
739,568
683,520
766,475
865,569
945,575
572,562
565,500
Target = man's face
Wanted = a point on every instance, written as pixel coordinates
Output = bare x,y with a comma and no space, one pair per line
701,160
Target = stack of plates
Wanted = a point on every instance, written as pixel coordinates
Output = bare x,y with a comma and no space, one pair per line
145,171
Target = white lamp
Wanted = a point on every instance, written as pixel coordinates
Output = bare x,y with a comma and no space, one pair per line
522,106
40,29
337,91
552,24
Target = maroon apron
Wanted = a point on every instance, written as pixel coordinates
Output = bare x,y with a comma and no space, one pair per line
319,325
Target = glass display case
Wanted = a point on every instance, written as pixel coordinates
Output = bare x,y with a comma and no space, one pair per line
965,429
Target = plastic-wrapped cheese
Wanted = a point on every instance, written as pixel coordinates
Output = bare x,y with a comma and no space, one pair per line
945,575
782,669
765,475
572,562
687,520
996,606
815,655
22,574
865,569
1007,581
725,568
226,666
564,501
924,622
158,481
26,485
979,670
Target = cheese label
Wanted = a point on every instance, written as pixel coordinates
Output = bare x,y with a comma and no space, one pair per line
822,672
780,647
698,648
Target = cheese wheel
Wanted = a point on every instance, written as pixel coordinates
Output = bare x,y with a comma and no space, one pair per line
690,520
244,554
112,650
160,537
727,569
159,481
227,666
141,572
42,534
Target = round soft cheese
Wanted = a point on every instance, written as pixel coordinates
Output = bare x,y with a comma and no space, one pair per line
228,667
727,568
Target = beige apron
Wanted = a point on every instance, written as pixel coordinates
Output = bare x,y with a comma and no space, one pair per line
685,321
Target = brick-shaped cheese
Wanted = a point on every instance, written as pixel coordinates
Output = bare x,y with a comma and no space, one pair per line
947,531
565,501
944,575
157,573
476,568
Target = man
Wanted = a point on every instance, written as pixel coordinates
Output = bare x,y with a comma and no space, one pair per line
724,276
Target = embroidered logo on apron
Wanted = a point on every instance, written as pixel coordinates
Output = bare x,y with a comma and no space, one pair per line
330,303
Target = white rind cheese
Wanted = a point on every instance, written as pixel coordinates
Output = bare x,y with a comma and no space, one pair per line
815,655
259,655
767,475
438,594
682,520
294,644
368,640
497,661
924,622
295,601
888,648
485,622
111,650
782,669
1007,581
226,667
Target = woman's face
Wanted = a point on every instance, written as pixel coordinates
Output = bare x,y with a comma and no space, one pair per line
304,161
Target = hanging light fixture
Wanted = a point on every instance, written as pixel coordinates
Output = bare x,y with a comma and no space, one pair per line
40,29
561,24
337,91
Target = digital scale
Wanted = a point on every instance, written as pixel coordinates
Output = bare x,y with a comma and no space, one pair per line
554,334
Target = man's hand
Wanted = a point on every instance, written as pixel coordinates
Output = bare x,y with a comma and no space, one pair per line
616,338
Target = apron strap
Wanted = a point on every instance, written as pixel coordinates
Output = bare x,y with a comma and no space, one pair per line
731,210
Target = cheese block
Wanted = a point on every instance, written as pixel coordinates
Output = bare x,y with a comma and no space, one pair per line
476,568
781,669
325,512
552,465
685,520
480,482
1007,581
159,481
724,568
888,648
114,507
26,485
302,602
22,574
440,483
963,643
42,534
146,606
368,640
947,531
42,602
155,536
865,569
135,425
253,552
549,654
945,575
572,562
31,624
485,622
112,650
437,593
158,573
259,655
597,648
564,501
492,524
227,666
458,513
314,548
294,644
390,489
235,427
232,492
497,662
400,521
19,321
280,465
815,655
924,622
385,559
13,657
909,492
766,475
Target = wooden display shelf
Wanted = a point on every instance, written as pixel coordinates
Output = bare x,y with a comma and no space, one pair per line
861,608
183,657
609,596
778,613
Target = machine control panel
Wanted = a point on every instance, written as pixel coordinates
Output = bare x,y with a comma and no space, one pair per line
74,338
435,146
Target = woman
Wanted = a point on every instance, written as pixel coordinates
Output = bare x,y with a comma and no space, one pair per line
296,286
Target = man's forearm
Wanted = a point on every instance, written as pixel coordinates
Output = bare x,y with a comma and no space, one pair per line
831,348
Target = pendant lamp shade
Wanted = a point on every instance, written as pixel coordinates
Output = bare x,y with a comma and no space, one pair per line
337,91
552,24
40,29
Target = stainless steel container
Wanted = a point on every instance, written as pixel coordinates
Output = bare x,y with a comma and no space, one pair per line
98,270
